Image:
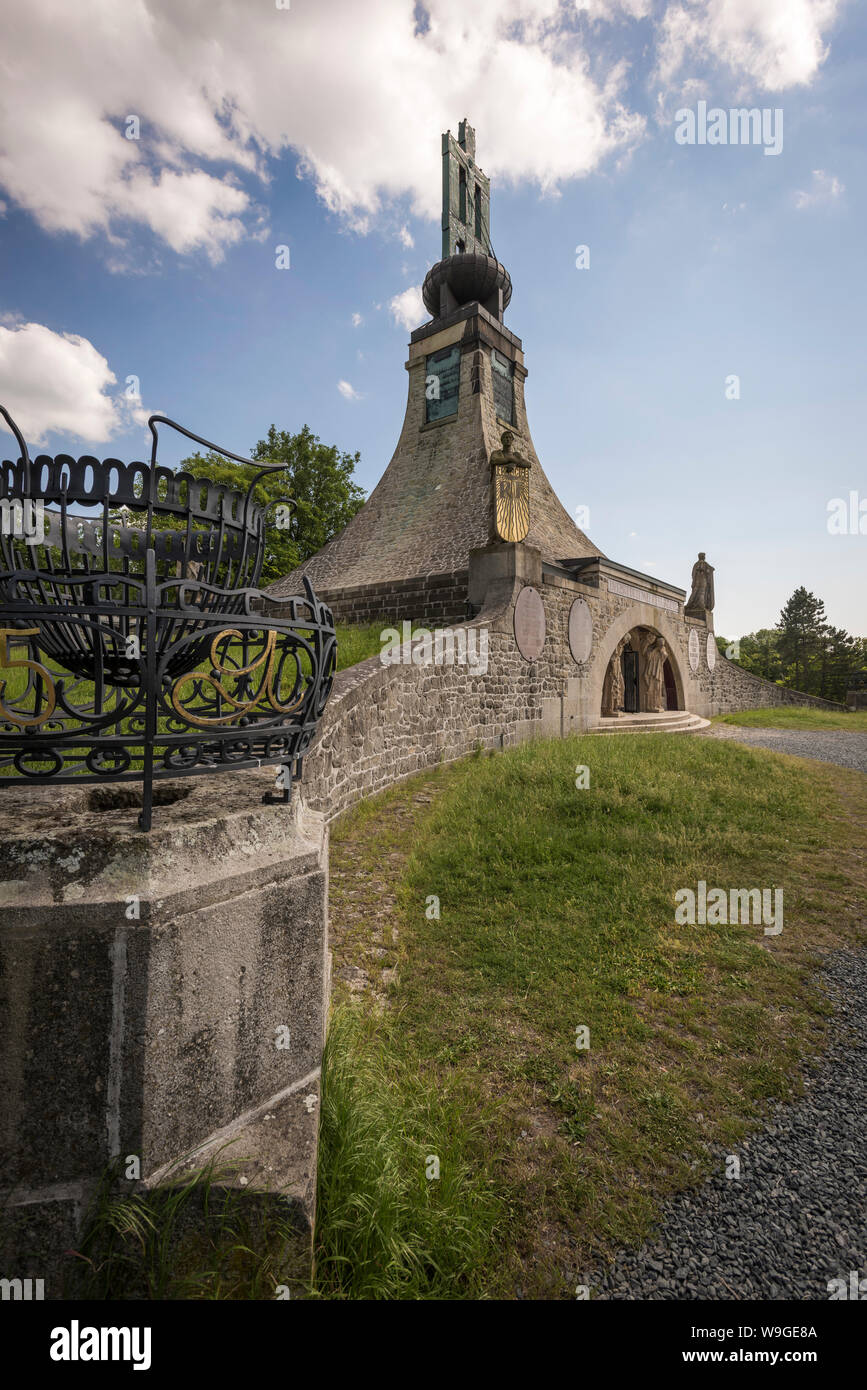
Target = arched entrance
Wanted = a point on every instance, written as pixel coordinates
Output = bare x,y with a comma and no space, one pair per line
636,681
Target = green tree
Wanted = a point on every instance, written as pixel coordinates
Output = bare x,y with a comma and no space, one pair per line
759,653
317,478
842,663
801,628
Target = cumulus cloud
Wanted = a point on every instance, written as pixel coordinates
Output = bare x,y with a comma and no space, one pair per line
769,44
407,308
60,381
825,188
357,96
357,320
348,392
406,237
359,102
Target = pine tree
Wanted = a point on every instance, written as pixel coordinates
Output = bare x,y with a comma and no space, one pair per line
801,625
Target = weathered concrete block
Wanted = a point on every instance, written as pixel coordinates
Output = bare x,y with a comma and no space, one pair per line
156,991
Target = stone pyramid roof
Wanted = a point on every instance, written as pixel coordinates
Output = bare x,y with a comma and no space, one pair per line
431,506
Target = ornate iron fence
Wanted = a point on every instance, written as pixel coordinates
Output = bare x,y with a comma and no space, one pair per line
134,644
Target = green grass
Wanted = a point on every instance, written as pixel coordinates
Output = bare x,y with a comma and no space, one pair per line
797,717
409,1211
196,1237
358,642
557,910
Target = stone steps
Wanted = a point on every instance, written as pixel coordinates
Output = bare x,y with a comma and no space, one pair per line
669,722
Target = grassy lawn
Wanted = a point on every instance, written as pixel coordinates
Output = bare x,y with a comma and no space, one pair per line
357,643
556,910
797,717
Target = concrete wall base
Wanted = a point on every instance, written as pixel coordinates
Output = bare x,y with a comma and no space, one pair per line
160,995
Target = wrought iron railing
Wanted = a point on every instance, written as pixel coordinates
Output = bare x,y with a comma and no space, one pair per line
135,643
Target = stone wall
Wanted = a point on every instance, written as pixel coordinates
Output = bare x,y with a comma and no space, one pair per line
383,723
734,689
435,598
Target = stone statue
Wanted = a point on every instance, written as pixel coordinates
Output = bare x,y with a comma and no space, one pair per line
701,599
616,686
654,675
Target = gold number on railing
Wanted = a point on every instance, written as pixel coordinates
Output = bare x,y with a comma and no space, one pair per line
7,664
240,708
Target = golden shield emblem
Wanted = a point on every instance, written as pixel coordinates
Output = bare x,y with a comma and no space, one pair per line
512,501
510,493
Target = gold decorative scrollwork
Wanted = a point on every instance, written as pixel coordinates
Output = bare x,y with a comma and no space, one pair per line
5,713
241,707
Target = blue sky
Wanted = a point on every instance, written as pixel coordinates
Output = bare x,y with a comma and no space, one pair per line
319,128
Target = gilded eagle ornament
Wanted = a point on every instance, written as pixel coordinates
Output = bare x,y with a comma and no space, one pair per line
510,493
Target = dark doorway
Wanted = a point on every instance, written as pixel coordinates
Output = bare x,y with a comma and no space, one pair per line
630,680
670,686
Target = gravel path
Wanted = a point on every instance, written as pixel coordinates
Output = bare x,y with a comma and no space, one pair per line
797,1217
828,745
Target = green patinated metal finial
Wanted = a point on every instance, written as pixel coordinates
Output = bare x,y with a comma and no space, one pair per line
466,196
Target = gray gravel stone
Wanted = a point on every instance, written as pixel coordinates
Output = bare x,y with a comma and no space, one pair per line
797,1216
827,745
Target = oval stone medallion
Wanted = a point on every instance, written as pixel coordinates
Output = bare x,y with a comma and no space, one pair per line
580,630
530,623
711,651
693,650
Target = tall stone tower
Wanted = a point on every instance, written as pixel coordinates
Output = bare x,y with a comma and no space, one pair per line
406,552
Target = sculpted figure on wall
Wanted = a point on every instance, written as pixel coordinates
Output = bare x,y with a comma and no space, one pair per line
701,598
654,663
613,701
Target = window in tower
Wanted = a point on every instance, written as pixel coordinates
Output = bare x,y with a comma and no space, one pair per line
442,380
503,384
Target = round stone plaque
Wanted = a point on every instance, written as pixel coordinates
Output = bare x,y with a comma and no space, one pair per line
530,623
580,630
693,650
711,651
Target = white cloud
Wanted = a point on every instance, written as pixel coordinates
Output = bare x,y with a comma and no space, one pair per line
406,237
407,308
825,188
771,44
360,100
609,10
348,392
59,381
357,320
358,95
